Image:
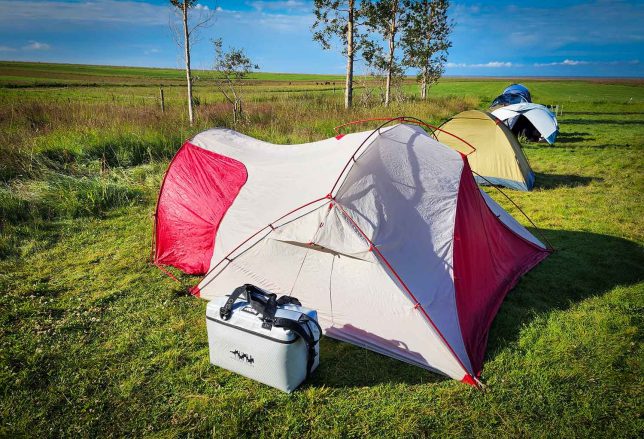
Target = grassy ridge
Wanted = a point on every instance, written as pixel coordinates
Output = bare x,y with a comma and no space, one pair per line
14,73
95,341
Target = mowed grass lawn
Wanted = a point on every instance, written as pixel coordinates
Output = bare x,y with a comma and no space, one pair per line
97,342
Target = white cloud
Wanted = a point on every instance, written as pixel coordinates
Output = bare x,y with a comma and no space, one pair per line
285,5
36,45
284,16
566,62
573,62
544,27
151,51
7,49
495,64
487,65
270,21
98,11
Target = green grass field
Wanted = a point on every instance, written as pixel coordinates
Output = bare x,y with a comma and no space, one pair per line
95,341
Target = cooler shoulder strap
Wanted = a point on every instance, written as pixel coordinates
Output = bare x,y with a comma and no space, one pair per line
301,327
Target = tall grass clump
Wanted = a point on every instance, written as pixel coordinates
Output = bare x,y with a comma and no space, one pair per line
12,207
61,196
310,117
14,163
72,157
113,148
68,160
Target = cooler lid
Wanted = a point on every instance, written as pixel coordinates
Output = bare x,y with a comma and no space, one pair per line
246,319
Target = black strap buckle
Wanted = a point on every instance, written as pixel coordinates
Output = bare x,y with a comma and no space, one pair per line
224,313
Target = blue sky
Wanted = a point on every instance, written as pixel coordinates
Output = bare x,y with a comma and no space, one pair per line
501,38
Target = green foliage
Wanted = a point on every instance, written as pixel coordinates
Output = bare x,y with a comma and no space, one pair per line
94,341
383,19
233,64
331,17
425,39
343,21
183,3
231,68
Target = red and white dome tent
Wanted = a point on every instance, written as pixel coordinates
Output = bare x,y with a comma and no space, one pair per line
384,232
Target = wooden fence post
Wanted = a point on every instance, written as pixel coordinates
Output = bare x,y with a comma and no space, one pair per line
162,100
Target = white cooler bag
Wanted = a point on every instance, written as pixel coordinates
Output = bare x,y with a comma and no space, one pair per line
275,342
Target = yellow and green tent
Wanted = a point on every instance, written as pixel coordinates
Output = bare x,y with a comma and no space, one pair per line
498,156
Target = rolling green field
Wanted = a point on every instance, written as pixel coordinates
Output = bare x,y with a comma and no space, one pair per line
95,341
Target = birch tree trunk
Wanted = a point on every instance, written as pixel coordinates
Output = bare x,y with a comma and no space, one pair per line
390,61
423,84
428,41
348,92
186,35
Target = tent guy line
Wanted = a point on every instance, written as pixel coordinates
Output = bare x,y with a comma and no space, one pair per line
525,215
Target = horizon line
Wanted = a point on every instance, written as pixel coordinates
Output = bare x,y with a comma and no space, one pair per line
334,74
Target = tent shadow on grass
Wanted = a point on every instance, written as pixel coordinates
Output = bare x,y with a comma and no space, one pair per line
602,113
600,122
574,137
183,289
346,365
48,234
584,265
554,181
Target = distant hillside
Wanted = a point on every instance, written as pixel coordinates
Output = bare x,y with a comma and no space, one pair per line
34,73
21,74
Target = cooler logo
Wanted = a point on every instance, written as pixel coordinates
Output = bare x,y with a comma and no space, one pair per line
243,357
250,310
